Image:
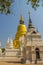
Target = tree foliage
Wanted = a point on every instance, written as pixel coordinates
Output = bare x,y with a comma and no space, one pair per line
5,6
34,3
3,49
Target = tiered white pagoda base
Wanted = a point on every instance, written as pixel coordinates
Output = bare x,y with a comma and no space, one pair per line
12,55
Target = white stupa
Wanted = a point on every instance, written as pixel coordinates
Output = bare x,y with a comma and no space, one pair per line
9,43
11,54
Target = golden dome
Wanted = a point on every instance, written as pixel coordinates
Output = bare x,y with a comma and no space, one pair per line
22,27
21,31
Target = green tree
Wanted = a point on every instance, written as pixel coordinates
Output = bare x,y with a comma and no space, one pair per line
3,49
5,5
35,3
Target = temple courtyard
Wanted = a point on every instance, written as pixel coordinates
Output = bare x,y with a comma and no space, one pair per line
6,63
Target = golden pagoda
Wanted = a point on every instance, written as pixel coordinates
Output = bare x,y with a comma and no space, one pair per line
21,30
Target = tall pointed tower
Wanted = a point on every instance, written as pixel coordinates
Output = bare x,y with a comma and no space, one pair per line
33,41
30,25
21,30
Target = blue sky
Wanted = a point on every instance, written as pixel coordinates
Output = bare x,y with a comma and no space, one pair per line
9,23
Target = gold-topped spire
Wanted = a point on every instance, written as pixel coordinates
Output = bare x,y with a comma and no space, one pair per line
21,18
21,30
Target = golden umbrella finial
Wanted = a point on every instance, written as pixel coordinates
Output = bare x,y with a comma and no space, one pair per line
21,18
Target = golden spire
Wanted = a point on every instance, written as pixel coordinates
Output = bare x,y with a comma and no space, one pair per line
21,30
21,18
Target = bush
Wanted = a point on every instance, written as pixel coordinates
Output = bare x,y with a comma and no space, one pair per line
3,49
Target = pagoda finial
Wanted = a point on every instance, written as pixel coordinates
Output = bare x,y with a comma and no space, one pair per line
30,25
29,17
29,14
21,19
